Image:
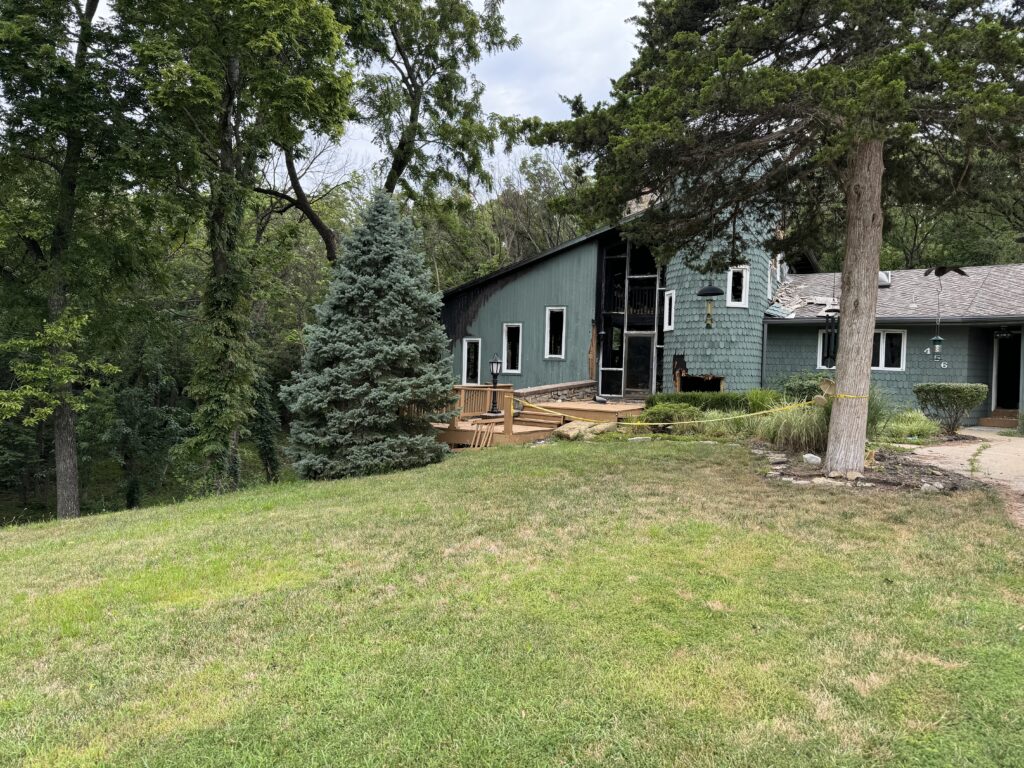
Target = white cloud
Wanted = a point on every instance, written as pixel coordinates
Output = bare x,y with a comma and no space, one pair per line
569,47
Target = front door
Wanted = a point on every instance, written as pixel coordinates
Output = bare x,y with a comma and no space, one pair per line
1007,383
639,365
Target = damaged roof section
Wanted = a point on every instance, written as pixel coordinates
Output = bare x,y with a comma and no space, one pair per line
986,293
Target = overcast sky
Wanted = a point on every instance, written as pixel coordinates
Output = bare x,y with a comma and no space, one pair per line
569,47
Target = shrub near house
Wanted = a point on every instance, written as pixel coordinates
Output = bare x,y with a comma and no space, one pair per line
950,403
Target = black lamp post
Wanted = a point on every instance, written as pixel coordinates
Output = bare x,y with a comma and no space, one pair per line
495,372
710,292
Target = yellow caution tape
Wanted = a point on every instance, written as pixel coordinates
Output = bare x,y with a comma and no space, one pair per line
789,407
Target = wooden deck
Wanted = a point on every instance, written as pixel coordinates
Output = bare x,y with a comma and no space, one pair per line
460,433
476,428
594,411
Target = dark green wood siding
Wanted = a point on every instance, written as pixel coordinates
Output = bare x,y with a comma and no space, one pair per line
567,280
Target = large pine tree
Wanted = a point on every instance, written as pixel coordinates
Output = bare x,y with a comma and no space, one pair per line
376,368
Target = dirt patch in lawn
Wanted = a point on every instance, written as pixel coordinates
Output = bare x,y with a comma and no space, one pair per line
888,469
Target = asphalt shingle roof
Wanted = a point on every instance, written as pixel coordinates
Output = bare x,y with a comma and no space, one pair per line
986,293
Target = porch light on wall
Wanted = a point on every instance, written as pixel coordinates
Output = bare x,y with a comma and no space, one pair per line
709,292
495,372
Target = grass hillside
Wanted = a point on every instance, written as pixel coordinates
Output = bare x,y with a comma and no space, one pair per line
642,604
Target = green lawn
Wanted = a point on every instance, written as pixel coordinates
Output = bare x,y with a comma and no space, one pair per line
636,604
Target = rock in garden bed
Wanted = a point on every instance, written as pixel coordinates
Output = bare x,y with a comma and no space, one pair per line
890,469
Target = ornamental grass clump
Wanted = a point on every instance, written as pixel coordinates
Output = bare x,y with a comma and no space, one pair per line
911,426
797,430
950,403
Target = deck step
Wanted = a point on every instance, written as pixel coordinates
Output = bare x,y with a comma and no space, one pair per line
539,419
1004,413
998,422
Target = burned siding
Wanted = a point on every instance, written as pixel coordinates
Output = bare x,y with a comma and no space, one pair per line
522,295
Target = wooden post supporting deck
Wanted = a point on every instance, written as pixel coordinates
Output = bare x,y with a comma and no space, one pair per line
508,410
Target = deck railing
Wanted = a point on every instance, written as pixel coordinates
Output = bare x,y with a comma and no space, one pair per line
475,399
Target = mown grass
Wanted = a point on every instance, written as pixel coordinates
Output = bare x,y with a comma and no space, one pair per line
606,603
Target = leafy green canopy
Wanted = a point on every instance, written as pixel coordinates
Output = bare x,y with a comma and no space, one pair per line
48,372
376,368
734,112
225,83
417,93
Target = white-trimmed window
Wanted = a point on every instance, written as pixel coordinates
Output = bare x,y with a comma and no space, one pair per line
554,333
511,347
737,287
470,361
668,318
888,351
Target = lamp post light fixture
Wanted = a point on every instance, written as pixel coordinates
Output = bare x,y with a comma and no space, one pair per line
709,292
495,372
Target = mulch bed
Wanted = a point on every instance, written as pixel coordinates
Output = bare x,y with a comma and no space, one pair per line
889,469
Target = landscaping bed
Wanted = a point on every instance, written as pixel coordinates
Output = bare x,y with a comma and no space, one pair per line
888,468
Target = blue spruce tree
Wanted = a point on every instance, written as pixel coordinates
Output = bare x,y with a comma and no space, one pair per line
376,369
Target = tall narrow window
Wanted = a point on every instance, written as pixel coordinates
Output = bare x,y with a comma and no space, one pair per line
512,336
737,290
471,361
669,316
555,333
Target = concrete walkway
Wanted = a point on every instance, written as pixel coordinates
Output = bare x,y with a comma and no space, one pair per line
1000,463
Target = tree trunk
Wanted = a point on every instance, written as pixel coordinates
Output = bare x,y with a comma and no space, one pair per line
328,235
64,436
66,452
1020,400
405,148
848,429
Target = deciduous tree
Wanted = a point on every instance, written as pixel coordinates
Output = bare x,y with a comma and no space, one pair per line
67,104
226,83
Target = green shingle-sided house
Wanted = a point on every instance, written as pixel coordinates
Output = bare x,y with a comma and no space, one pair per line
597,315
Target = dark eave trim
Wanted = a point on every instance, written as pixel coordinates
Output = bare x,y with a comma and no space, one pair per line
902,320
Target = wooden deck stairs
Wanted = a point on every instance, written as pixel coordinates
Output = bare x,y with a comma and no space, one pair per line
533,417
1001,418
478,427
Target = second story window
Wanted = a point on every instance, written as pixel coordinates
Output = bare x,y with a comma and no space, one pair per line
669,316
737,291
